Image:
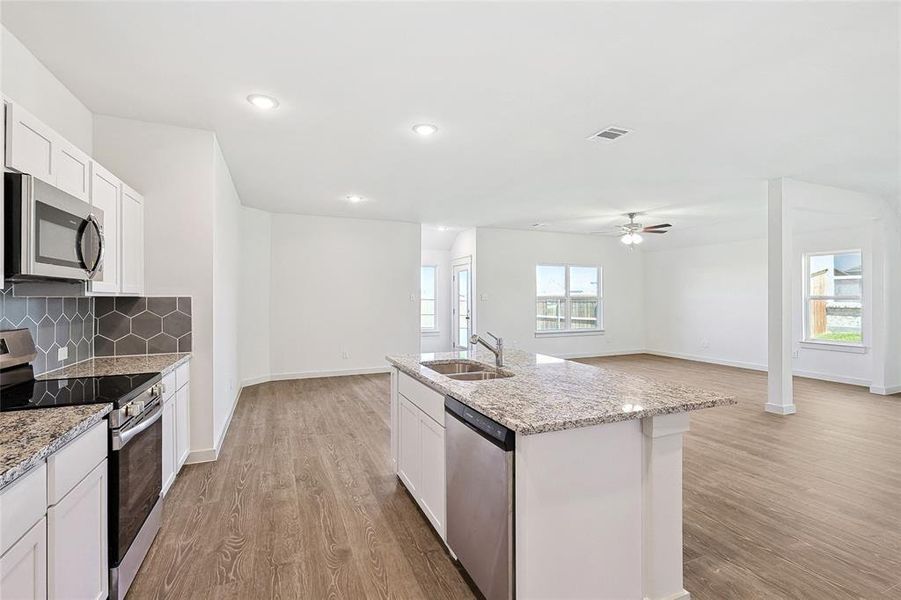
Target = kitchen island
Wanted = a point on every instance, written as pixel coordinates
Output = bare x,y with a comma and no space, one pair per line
597,492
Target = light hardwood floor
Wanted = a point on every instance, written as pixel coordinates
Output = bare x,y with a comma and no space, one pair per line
302,502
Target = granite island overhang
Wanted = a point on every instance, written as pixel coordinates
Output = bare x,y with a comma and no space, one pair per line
598,469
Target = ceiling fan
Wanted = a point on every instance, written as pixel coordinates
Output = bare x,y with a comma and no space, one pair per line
630,233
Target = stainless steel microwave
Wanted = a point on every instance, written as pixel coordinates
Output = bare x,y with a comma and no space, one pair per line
49,233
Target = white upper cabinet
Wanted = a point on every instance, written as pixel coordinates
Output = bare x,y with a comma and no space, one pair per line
29,144
37,150
132,242
73,169
105,195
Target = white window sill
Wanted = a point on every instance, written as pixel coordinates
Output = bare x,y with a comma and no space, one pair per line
429,332
570,333
834,347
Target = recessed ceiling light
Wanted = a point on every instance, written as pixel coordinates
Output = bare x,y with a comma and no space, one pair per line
442,228
263,102
425,129
354,198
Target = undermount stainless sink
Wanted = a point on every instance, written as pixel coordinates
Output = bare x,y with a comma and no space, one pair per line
479,376
466,370
456,366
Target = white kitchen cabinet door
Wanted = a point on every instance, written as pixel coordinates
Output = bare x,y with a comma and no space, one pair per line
182,426
23,568
105,195
29,144
432,490
169,457
77,542
409,458
132,242
72,169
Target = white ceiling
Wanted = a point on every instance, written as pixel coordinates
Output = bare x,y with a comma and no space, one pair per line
720,96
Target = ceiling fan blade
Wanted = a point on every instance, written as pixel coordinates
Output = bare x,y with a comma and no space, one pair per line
654,231
661,226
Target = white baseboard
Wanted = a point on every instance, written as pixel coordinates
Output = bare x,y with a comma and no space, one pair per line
570,355
334,373
255,380
885,391
780,409
831,377
202,456
211,454
707,359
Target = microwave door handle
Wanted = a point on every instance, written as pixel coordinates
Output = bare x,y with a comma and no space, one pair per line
101,246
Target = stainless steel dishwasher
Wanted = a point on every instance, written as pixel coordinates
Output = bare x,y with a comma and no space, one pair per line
479,455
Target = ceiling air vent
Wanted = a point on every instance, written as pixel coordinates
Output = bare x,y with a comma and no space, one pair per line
609,134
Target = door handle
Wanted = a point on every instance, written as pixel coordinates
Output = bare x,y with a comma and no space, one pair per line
101,246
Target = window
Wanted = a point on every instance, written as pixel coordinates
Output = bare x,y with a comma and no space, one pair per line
568,298
427,298
834,297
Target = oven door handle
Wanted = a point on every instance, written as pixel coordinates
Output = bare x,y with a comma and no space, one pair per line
121,438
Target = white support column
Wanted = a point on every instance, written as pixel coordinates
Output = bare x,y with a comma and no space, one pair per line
886,298
780,399
661,515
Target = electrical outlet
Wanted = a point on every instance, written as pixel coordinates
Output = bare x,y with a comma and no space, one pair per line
705,343
62,353
412,299
345,354
796,353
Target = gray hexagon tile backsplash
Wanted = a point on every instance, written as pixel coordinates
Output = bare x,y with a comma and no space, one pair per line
100,326
131,325
54,323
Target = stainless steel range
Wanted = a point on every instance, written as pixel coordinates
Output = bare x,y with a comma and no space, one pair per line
135,444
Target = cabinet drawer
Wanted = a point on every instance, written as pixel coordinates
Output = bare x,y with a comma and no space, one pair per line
68,466
426,399
22,504
170,386
182,375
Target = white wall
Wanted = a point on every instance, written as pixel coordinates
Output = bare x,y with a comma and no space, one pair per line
227,243
253,298
506,298
342,285
708,302
716,296
173,168
439,341
28,82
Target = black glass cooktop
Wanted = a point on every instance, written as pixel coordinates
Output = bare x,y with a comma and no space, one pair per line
117,389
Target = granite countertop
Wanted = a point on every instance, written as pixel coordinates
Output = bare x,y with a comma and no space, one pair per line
120,365
552,394
27,437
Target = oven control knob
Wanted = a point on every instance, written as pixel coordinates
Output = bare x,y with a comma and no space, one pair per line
134,408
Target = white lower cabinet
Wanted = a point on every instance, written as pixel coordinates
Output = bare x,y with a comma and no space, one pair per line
432,492
420,460
182,425
409,459
176,423
23,568
77,541
168,443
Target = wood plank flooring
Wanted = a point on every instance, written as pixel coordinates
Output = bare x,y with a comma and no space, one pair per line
796,507
302,502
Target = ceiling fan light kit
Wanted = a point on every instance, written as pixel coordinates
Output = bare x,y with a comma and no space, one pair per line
631,231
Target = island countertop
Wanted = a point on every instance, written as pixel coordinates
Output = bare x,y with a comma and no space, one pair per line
101,366
29,436
551,394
